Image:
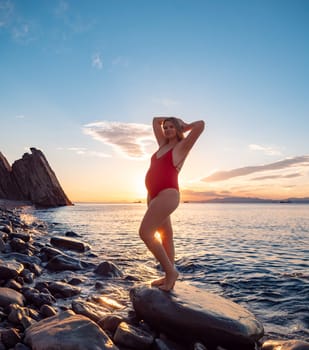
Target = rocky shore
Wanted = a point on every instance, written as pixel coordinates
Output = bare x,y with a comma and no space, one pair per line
41,308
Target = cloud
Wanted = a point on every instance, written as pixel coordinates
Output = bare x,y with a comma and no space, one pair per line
97,61
271,177
282,164
20,29
85,152
270,151
6,12
128,139
20,116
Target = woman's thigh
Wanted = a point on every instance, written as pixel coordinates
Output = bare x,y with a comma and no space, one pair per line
159,209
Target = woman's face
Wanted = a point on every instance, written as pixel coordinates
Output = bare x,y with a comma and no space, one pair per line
169,129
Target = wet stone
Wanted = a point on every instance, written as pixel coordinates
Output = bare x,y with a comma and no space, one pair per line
71,331
132,337
10,269
91,310
63,262
292,344
70,244
192,313
10,296
108,269
38,298
110,322
10,337
47,311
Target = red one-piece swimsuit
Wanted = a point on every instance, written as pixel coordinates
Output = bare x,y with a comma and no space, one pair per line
162,174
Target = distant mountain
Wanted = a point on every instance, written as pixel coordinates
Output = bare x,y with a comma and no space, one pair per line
257,200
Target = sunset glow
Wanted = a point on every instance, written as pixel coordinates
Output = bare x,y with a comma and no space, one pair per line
82,81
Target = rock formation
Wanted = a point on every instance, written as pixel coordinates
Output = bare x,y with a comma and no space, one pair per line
31,179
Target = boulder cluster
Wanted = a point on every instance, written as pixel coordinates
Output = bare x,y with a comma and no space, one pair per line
40,310
31,179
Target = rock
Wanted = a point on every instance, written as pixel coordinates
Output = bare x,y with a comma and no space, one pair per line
31,179
47,311
70,244
93,311
108,269
8,187
10,296
110,322
21,346
37,298
62,289
24,236
10,337
23,259
67,331
72,234
291,344
63,262
10,269
192,313
132,337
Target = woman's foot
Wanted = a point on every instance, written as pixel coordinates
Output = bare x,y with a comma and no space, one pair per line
169,282
158,282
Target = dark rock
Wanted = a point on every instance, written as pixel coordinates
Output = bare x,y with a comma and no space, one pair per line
24,236
47,311
23,258
10,269
71,234
21,346
10,296
36,298
93,311
110,322
10,337
291,344
75,281
132,337
13,285
8,187
192,313
108,269
63,289
71,331
31,179
69,243
5,228
63,262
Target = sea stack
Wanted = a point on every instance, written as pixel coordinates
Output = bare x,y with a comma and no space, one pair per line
31,179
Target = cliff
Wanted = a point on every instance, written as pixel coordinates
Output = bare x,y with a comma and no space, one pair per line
31,179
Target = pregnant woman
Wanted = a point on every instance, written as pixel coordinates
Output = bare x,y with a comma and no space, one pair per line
163,191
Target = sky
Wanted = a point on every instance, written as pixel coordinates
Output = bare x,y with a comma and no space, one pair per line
82,80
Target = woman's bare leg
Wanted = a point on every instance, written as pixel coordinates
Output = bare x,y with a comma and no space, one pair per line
166,234
158,211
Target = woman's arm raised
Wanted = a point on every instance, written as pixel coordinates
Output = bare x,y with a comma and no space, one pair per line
157,129
195,129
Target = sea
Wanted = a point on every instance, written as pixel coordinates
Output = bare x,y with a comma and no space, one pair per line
256,255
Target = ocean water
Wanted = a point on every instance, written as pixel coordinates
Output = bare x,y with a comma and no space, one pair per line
254,254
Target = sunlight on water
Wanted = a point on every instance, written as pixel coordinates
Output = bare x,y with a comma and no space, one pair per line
256,255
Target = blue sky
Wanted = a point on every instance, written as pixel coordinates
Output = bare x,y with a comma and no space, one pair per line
81,80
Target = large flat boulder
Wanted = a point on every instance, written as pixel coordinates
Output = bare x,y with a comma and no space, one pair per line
67,331
193,313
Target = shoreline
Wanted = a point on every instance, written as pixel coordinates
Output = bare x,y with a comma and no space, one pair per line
43,281
8,204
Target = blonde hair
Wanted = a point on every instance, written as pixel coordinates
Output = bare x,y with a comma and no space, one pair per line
175,122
